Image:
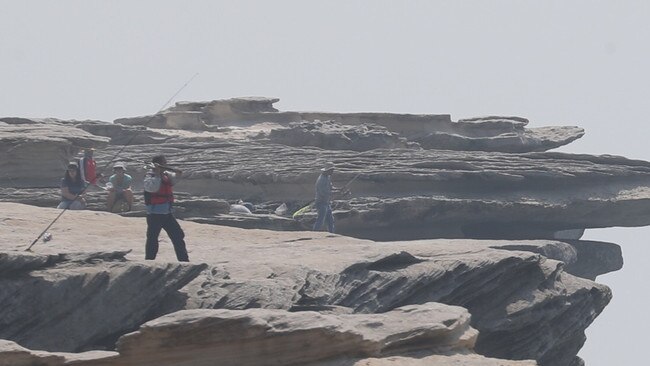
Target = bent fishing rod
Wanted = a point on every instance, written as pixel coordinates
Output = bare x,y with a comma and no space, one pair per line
146,124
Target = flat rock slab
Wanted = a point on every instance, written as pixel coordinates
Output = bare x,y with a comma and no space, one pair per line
265,336
12,354
435,360
411,194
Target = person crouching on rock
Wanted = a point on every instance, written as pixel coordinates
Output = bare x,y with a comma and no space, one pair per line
159,196
119,187
323,197
72,189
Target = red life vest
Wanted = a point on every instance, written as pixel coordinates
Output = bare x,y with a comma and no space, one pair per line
88,167
164,194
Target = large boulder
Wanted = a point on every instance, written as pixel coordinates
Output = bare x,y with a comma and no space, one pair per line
268,336
434,333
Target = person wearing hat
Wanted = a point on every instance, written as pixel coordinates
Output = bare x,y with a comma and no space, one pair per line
72,189
119,186
323,198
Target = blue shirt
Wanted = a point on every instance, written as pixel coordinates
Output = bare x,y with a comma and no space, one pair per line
323,189
126,182
159,209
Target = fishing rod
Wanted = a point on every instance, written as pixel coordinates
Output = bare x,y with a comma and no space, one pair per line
109,162
345,187
343,190
151,165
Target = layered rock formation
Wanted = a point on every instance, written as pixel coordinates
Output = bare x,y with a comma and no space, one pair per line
411,177
250,151
34,151
510,290
69,289
494,133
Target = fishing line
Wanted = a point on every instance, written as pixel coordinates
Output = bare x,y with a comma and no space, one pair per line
112,159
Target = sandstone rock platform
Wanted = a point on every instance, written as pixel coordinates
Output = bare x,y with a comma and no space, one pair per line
94,262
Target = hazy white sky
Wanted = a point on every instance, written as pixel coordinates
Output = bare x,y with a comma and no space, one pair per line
554,62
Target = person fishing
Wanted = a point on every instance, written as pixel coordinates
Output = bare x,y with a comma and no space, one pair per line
323,198
45,234
159,197
72,189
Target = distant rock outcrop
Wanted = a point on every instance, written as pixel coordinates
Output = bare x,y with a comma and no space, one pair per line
506,134
124,135
333,136
500,134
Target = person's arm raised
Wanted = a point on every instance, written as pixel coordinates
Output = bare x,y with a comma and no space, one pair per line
151,182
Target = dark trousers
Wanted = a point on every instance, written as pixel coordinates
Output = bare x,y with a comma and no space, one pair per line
324,216
155,223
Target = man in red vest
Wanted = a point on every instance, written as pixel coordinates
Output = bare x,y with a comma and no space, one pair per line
159,197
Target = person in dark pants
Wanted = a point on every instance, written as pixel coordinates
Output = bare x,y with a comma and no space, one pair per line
322,200
159,197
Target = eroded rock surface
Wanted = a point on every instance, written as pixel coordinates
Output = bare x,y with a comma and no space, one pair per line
12,354
509,290
88,297
266,336
435,333
432,131
332,136
407,194
397,193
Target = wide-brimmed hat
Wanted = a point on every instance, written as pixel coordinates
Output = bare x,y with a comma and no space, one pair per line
119,165
73,164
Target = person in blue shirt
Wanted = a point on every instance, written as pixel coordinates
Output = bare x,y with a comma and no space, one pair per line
72,189
119,186
322,200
